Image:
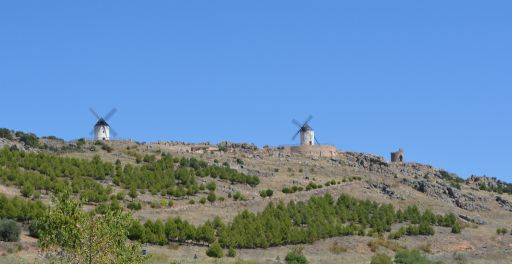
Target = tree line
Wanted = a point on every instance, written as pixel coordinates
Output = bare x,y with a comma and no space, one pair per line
35,172
294,223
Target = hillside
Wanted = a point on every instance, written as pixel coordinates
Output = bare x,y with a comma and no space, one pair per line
208,186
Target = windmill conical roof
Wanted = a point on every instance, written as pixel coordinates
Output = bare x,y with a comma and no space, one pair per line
101,122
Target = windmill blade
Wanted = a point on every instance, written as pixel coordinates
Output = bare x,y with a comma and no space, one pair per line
110,114
94,113
308,119
295,136
113,132
317,141
297,123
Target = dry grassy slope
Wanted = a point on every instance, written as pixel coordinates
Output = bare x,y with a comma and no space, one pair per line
476,244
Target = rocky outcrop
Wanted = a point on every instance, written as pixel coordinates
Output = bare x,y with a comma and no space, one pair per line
505,204
488,182
367,162
441,191
243,146
386,189
474,220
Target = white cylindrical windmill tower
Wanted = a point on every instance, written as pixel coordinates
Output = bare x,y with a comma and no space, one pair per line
102,129
307,134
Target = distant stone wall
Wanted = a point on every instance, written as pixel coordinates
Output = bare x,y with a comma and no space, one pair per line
314,150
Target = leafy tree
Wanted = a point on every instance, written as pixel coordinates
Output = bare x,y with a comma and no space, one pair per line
381,259
87,237
5,133
9,230
215,250
29,139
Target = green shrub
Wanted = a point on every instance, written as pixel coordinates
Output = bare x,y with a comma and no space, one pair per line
134,206
231,252
295,258
9,230
381,259
410,257
211,197
215,250
27,190
456,228
266,193
34,228
149,158
211,186
501,231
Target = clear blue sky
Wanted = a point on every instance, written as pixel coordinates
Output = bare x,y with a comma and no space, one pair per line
432,77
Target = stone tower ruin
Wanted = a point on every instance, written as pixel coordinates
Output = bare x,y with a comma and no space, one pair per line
397,156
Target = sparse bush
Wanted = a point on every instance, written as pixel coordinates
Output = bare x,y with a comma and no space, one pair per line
381,259
149,158
391,245
80,143
106,147
336,248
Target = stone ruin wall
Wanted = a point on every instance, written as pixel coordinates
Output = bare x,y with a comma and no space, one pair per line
314,150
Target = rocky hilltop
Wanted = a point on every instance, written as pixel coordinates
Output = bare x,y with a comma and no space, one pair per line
482,204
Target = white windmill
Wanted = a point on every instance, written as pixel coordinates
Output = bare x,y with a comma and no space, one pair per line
102,129
307,134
